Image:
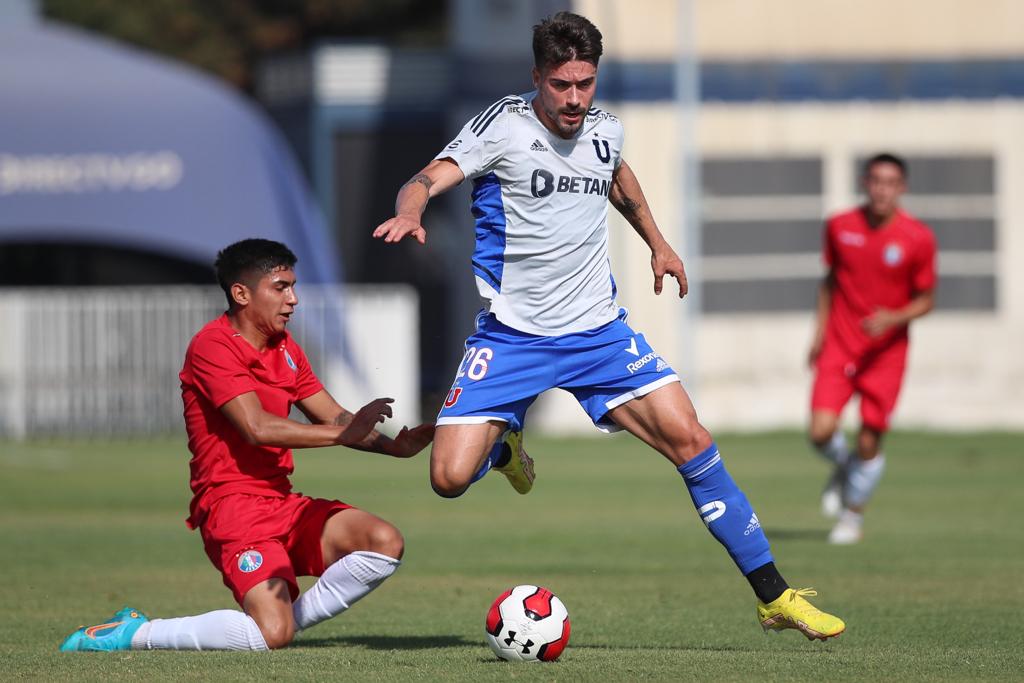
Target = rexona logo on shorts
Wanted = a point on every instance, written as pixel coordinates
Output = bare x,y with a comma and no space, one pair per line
250,561
640,362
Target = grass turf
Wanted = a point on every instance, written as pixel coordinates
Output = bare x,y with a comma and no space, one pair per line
934,592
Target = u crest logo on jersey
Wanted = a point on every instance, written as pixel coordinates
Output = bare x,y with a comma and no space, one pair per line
453,397
607,156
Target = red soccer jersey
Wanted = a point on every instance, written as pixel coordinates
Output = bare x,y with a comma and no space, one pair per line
220,365
874,268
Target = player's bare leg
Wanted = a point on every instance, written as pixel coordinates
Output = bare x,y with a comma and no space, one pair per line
458,453
665,419
360,551
348,531
270,606
830,442
462,453
824,424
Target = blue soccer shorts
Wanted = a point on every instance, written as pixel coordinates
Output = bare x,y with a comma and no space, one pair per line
504,370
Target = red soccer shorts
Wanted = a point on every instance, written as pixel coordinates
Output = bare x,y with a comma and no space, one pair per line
876,377
252,538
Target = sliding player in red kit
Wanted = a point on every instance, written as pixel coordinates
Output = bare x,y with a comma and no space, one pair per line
881,276
242,374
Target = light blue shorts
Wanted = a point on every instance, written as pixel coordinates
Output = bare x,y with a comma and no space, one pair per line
504,370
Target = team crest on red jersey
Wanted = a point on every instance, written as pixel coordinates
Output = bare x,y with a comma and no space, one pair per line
893,254
291,363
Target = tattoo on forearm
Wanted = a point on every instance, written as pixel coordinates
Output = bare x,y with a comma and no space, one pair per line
343,418
423,179
629,206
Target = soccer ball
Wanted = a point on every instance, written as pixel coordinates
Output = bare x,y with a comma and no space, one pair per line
528,624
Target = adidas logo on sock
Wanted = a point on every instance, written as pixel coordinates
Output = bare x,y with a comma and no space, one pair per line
538,146
753,525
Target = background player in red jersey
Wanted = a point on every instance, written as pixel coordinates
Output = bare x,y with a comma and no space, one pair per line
881,276
242,374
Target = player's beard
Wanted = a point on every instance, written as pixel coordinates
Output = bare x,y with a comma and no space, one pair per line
568,130
563,130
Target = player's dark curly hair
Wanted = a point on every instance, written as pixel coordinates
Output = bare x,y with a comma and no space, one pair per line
565,37
249,260
886,158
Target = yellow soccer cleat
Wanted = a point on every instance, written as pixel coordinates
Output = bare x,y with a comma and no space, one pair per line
519,468
791,610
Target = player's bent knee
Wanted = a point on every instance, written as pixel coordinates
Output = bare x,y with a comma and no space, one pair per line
277,633
448,481
386,539
447,488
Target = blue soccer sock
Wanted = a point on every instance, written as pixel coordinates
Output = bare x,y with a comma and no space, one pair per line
494,458
725,510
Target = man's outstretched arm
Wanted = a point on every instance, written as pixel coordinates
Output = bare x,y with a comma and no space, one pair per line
321,408
258,427
628,199
439,176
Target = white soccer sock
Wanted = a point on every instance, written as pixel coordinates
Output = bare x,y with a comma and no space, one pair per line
862,479
835,450
220,630
341,586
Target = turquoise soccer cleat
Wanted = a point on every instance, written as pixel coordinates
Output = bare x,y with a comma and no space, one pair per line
115,634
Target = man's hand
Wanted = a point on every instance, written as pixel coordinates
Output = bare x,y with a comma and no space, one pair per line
409,442
665,261
881,321
395,229
365,420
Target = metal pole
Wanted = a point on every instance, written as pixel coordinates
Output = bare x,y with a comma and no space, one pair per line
687,100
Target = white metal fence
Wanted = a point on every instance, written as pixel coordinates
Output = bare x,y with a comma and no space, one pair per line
105,361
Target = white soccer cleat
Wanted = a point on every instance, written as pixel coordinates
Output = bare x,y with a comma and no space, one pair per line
848,530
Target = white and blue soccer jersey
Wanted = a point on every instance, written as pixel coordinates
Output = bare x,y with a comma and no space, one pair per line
541,208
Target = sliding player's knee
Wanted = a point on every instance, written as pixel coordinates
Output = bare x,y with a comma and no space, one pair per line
277,631
386,539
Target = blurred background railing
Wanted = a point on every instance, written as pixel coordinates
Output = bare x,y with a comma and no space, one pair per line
102,361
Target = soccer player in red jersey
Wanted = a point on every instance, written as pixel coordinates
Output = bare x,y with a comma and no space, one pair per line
881,276
242,374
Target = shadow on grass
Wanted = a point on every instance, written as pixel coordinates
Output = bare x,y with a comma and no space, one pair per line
389,642
796,534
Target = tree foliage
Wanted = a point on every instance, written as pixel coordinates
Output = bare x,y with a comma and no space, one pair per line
229,37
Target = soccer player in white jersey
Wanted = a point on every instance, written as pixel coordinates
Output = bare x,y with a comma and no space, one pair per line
544,167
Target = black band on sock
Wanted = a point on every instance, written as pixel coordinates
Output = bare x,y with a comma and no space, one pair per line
767,583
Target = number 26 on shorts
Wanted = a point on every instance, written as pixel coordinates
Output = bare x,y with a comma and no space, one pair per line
475,363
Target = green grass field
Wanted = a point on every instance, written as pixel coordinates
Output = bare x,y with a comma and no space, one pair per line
936,591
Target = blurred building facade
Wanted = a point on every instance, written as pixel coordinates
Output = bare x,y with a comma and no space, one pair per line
792,97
